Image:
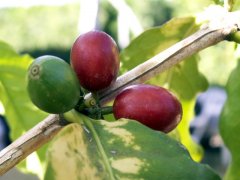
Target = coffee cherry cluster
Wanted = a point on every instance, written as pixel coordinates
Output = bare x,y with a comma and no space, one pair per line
57,87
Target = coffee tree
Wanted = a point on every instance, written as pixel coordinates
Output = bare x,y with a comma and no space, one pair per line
108,127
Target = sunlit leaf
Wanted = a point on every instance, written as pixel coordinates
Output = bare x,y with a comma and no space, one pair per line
123,149
184,79
196,150
230,123
20,113
155,40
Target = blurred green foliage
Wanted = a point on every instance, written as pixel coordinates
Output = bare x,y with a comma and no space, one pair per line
230,123
21,114
217,62
108,19
43,27
186,7
51,30
153,12
39,27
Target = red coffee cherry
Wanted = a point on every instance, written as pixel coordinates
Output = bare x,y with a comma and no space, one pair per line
152,106
95,59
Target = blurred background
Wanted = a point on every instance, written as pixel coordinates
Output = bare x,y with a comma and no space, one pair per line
51,26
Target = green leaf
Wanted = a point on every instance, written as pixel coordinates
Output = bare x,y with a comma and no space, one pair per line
229,124
123,149
184,79
21,114
184,135
6,50
219,2
230,4
236,6
155,40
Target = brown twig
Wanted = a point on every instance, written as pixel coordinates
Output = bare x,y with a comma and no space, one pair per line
40,134
29,142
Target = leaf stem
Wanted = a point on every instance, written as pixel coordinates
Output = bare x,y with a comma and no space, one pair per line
106,110
72,116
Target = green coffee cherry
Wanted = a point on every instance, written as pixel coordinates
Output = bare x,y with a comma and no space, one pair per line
52,85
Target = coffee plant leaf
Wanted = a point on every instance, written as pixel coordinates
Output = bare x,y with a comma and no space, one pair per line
229,124
184,78
155,40
124,149
20,113
196,151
